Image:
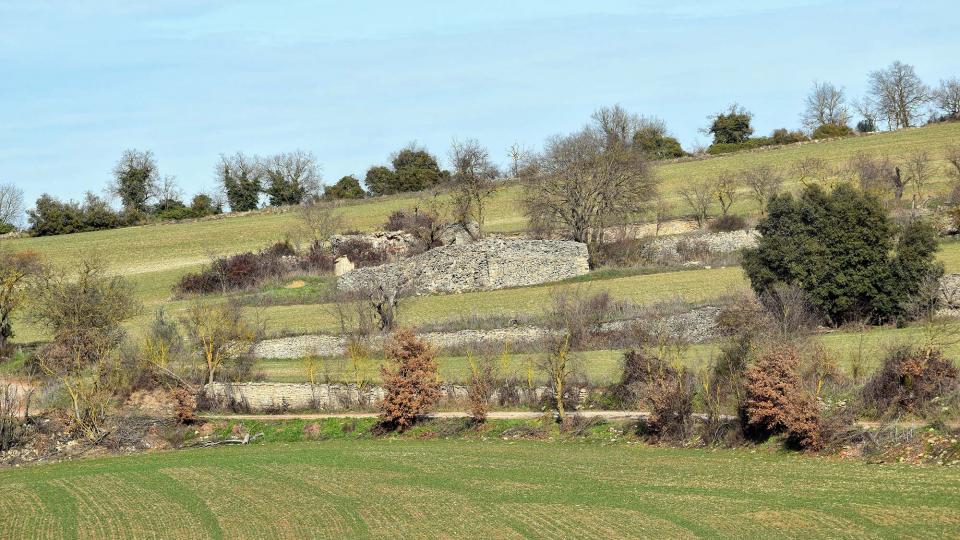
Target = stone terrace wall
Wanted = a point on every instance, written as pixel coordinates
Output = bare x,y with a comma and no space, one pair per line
327,345
493,263
276,397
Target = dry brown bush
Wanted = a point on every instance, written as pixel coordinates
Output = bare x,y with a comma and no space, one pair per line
579,314
410,380
649,381
776,402
909,381
482,382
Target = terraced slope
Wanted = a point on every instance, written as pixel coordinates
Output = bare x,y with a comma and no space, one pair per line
471,489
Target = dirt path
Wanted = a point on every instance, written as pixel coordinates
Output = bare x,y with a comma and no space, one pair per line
496,415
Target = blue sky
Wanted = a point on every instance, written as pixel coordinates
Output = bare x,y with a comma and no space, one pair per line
81,80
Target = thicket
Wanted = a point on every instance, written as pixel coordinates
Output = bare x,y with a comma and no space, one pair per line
842,249
252,269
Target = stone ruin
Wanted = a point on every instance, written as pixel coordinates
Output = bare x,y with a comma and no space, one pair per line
492,263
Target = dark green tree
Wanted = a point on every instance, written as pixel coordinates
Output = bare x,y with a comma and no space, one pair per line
347,187
380,180
240,177
292,178
844,252
657,144
416,170
731,126
135,179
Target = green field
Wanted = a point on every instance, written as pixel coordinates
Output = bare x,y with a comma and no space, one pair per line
473,489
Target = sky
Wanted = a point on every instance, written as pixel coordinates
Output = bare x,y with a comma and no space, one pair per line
352,82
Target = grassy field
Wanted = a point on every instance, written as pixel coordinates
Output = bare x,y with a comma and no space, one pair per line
472,489
154,257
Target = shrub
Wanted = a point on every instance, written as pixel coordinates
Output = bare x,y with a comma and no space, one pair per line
749,144
409,379
220,333
482,381
251,269
347,187
776,402
827,131
785,136
53,217
361,252
843,251
866,126
668,393
579,315
623,253
909,381
728,223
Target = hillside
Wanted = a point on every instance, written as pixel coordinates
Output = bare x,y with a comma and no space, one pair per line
153,257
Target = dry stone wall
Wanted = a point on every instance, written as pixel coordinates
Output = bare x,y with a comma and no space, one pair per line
493,263
678,248
278,397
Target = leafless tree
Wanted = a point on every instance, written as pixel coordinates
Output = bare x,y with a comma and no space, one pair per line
11,204
947,98
617,125
867,109
522,161
920,171
292,177
899,94
764,182
168,190
825,104
474,180
952,155
725,190
585,184
318,221
811,170
661,210
698,196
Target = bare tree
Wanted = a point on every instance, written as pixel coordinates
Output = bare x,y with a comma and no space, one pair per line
952,156
920,171
699,198
474,180
899,94
725,190
825,104
292,177
585,184
318,221
867,109
947,98
811,170
617,125
764,182
522,161
168,190
661,211
11,204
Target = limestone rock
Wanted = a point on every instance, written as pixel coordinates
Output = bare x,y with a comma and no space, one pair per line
341,266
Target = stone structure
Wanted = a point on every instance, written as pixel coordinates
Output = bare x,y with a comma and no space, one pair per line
279,397
680,248
327,345
493,263
950,291
397,244
341,266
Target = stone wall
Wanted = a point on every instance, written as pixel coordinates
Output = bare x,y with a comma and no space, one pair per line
493,263
279,397
327,345
680,248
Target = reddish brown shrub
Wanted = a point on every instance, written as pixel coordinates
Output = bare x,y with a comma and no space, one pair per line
184,405
410,380
909,380
775,401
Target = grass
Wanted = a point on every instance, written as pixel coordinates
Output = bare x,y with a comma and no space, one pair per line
472,489
154,257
